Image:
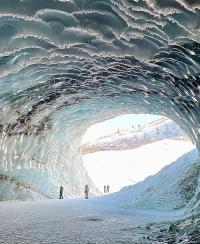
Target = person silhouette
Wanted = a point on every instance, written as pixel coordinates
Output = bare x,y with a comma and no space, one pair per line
104,189
61,192
86,191
108,188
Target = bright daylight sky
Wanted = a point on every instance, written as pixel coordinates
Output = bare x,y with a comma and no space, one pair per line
121,168
121,122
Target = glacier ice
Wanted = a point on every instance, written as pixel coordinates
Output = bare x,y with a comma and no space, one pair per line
66,65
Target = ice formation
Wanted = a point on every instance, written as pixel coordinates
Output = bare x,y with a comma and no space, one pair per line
65,65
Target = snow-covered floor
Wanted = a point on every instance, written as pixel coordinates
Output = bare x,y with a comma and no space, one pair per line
70,221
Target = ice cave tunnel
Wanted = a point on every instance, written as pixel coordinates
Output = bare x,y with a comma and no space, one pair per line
66,65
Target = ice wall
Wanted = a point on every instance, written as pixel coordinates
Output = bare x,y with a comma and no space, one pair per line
65,65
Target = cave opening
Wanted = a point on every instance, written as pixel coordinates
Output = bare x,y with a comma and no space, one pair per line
126,149
67,65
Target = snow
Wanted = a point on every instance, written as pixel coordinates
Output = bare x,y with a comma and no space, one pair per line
160,192
121,168
160,129
118,123
114,218
68,222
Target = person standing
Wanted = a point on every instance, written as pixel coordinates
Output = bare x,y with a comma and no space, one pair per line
108,189
86,191
61,192
104,189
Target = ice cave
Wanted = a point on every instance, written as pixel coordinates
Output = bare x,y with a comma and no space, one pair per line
66,65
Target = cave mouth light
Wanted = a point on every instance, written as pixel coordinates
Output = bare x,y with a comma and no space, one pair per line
126,149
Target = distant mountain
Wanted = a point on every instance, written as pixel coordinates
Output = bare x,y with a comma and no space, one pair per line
136,136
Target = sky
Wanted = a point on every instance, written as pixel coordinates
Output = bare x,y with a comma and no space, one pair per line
120,122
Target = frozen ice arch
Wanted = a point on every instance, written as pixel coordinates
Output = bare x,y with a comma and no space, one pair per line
67,65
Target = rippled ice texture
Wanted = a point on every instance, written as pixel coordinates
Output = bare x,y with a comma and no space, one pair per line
65,65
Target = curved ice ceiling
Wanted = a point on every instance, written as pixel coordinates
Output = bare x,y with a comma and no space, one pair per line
65,65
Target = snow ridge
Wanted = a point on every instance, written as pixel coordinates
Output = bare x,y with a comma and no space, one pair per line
135,137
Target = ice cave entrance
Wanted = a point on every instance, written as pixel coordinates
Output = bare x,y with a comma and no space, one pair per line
126,149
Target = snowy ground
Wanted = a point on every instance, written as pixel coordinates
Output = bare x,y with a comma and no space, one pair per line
122,168
137,214
77,221
89,222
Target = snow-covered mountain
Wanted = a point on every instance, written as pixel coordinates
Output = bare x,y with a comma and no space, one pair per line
136,136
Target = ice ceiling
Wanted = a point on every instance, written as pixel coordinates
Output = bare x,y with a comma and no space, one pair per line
65,65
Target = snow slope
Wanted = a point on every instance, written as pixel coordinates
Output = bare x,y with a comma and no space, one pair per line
127,167
164,191
134,137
